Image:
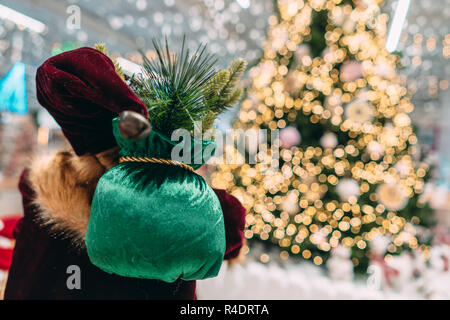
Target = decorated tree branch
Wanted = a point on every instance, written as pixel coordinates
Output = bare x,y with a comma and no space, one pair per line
350,167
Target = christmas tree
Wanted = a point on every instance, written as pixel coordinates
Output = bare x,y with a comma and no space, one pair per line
349,168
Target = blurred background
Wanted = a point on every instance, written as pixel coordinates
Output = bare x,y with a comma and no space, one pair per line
32,31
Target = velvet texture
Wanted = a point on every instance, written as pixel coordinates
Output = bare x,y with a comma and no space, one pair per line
234,218
41,258
156,221
40,261
82,91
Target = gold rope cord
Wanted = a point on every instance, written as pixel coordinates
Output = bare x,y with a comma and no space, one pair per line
156,160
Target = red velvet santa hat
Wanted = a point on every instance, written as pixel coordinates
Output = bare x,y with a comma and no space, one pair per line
83,92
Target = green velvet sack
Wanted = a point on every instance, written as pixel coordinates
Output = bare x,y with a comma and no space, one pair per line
156,221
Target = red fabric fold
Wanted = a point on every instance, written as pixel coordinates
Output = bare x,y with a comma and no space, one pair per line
234,218
83,92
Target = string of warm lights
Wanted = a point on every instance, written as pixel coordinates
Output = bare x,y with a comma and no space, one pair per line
363,176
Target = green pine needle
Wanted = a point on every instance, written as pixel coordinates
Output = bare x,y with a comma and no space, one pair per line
228,95
214,86
217,83
208,121
101,47
236,70
233,98
183,89
171,86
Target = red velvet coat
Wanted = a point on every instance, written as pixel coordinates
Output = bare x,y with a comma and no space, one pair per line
40,261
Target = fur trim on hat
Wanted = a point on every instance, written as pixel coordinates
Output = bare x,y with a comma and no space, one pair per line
64,184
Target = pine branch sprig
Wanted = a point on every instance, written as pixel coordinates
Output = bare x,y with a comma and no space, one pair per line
221,92
233,98
217,82
182,90
236,70
208,121
102,48
228,94
214,86
171,86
